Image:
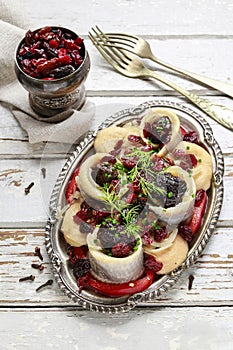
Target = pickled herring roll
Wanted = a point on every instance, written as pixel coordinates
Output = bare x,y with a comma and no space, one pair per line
161,128
115,259
96,172
174,202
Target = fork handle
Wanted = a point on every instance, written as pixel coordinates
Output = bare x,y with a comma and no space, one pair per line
226,88
221,114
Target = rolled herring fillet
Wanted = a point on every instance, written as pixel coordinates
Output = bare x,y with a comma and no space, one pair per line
155,115
183,210
86,183
112,269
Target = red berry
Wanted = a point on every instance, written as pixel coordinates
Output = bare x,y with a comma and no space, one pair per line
129,163
185,232
134,138
78,41
121,250
61,52
147,148
53,43
152,264
191,136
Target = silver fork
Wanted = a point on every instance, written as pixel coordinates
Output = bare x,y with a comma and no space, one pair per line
141,48
130,66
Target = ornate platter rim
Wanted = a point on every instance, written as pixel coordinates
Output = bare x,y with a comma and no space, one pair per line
116,305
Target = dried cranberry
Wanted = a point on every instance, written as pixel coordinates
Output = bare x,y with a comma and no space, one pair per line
110,159
152,264
61,72
64,60
61,52
48,66
185,232
78,41
82,215
81,268
54,43
131,197
98,216
121,250
44,30
77,58
129,163
117,148
189,161
191,136
147,148
160,234
70,45
134,138
28,37
159,163
58,48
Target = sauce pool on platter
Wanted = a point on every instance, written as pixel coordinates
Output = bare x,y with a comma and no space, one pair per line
136,204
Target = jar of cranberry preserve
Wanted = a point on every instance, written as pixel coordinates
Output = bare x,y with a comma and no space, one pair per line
52,64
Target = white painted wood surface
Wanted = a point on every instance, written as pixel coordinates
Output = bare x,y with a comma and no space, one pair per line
195,35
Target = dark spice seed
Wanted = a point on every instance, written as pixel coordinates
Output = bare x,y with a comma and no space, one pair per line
190,284
27,189
43,171
27,278
38,253
48,283
38,266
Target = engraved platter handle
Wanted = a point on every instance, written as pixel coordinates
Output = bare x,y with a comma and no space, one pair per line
221,114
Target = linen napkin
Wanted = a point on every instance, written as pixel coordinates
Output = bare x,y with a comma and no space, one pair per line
13,26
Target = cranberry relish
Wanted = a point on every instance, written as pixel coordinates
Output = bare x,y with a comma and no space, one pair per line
50,53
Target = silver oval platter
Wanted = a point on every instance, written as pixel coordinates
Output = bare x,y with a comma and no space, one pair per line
57,247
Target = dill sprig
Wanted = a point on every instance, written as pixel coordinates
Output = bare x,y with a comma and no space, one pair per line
129,214
142,171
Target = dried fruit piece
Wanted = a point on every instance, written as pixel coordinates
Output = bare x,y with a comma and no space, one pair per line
50,53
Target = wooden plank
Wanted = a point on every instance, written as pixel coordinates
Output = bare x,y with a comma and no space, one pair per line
196,55
13,140
171,328
159,18
212,285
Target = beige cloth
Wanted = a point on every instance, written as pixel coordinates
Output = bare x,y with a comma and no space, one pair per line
13,26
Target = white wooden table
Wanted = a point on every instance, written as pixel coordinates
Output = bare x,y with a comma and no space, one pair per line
196,35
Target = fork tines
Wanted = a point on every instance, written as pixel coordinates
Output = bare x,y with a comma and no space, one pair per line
117,40
114,56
